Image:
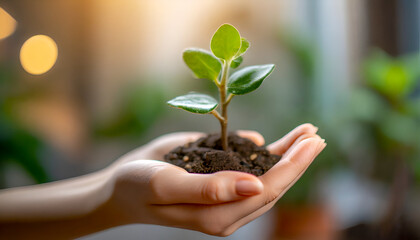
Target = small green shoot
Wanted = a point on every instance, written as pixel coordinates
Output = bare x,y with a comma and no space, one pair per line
227,48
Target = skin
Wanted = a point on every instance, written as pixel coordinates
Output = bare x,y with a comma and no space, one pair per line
138,188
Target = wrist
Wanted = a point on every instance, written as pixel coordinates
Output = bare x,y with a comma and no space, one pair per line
102,211
64,209
106,207
112,209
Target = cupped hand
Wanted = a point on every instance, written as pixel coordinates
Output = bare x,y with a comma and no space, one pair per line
146,190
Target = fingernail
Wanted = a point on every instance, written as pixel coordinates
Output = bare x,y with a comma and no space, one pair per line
247,187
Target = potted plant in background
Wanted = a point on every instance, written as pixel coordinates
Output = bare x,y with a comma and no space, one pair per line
388,108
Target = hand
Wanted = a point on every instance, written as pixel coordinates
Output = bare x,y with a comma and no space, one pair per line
155,192
140,189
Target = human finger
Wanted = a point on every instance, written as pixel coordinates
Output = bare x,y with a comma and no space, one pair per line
280,146
173,185
300,139
290,167
267,207
216,219
254,136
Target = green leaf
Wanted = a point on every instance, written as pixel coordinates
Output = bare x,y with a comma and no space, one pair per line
202,63
248,79
236,62
226,42
244,46
194,102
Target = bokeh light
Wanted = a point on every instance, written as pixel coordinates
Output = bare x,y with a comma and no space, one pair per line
7,23
38,54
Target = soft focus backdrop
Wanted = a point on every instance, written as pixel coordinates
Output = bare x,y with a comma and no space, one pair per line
350,67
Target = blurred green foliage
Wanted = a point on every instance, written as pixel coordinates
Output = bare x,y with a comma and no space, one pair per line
393,78
17,145
140,107
382,121
388,105
304,53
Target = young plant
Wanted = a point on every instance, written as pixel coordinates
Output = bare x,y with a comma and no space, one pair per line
227,47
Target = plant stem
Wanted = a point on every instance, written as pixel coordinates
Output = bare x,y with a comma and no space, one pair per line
229,98
223,105
217,115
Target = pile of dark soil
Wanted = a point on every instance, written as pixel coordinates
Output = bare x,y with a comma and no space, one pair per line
206,156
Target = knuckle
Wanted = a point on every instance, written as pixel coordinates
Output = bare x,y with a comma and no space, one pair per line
212,190
270,196
155,190
155,184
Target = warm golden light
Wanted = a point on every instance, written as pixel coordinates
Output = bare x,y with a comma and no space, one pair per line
38,54
7,24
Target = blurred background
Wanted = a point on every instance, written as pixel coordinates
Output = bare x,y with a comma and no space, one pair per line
350,67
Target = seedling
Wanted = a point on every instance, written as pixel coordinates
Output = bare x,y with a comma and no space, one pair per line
227,48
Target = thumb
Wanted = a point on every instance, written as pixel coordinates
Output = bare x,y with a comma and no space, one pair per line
174,185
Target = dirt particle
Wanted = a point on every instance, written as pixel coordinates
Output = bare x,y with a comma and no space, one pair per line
188,166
